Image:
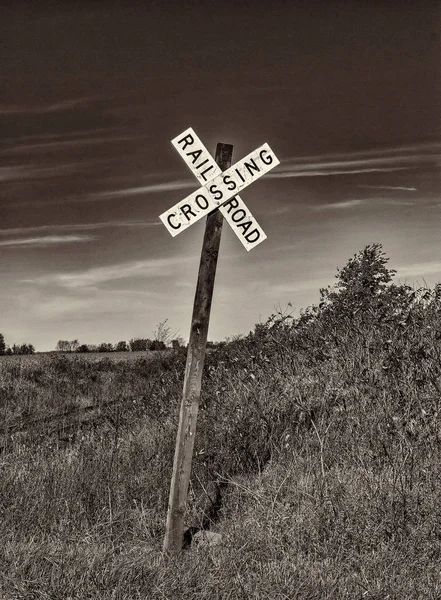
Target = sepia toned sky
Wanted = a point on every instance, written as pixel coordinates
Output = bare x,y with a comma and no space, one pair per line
347,94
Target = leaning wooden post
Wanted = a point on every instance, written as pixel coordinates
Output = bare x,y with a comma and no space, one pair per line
193,370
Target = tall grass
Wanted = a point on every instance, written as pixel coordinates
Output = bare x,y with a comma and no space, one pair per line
317,457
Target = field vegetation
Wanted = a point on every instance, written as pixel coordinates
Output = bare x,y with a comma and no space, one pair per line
317,459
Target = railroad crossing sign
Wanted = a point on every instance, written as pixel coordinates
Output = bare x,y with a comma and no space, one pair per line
220,184
219,189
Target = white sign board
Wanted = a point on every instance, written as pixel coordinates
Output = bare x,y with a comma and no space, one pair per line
203,165
196,156
221,191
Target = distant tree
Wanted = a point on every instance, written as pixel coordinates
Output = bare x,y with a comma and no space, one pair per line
121,347
157,345
105,347
26,349
83,348
67,345
163,333
74,345
139,344
63,346
21,349
2,344
8,351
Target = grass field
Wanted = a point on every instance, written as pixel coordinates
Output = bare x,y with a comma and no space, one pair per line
317,458
91,356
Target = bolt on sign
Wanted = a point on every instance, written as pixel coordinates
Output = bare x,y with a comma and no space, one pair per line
221,184
219,189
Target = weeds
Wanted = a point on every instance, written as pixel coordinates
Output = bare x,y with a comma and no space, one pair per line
317,457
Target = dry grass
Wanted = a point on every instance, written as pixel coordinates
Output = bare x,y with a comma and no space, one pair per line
324,437
90,356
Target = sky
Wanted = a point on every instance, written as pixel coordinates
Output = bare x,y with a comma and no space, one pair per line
347,94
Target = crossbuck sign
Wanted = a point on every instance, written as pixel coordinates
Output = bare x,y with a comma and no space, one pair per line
220,186
219,189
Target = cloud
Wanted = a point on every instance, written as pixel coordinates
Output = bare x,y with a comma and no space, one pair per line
90,305
155,267
45,108
46,240
419,269
283,210
378,200
389,187
420,149
77,227
326,173
87,140
20,172
120,193
107,195
146,189
64,306
304,286
368,161
395,201
11,173
338,205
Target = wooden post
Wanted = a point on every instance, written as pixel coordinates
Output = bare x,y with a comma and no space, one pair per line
193,371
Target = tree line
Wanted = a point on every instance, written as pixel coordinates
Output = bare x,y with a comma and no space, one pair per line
15,348
134,345
163,337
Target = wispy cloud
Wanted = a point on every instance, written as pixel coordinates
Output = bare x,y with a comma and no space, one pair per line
294,289
419,269
87,140
326,172
283,210
46,240
146,189
369,161
377,200
110,194
119,193
338,205
389,187
420,149
69,104
78,227
155,267
92,304
20,172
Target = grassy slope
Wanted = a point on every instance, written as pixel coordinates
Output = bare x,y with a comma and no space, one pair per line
324,438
